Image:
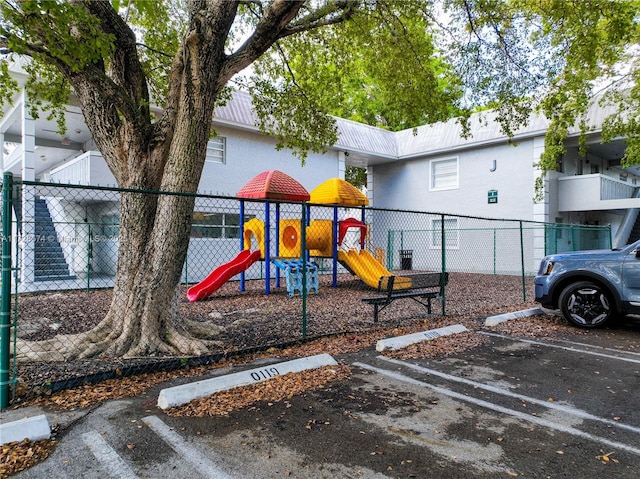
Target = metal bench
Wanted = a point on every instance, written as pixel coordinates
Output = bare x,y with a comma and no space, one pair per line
421,287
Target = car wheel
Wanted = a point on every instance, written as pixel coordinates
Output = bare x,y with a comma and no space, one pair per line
586,304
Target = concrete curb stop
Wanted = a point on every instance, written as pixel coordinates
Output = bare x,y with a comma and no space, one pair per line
33,428
500,318
178,395
400,342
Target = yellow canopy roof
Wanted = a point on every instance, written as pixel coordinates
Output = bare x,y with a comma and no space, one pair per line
336,191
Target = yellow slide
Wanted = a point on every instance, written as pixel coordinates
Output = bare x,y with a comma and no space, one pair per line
366,267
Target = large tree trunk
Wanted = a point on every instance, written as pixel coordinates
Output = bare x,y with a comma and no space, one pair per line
155,229
154,239
142,317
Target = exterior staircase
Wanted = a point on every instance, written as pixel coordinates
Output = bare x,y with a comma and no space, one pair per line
50,264
635,232
629,229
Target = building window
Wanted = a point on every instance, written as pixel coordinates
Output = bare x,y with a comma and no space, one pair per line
216,225
451,233
216,150
111,226
444,174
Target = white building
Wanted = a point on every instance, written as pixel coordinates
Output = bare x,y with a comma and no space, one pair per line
430,168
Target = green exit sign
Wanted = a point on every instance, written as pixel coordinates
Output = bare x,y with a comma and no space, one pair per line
492,196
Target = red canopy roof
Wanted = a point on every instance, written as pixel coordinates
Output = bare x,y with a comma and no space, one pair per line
274,185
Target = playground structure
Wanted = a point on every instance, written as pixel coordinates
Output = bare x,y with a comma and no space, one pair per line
322,238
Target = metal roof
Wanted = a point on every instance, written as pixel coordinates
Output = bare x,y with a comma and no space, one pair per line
237,111
357,137
447,136
368,145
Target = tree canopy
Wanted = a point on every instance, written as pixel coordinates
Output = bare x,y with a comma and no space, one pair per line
554,57
387,63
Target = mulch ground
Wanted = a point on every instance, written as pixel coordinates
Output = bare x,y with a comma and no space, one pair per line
251,320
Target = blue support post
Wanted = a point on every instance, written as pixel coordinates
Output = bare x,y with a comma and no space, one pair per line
363,218
267,253
305,221
242,278
277,245
334,242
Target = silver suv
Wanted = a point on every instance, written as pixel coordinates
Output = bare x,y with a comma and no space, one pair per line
591,288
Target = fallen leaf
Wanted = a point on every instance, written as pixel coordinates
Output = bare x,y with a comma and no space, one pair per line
606,457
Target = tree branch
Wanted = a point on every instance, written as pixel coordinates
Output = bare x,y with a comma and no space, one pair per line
125,68
277,22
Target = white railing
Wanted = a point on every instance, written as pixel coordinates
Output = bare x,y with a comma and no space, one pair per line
87,169
594,192
75,172
612,189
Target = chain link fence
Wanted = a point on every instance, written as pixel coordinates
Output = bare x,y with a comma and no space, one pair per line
257,275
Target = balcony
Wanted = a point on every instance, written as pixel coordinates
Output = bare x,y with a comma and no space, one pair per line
88,169
595,192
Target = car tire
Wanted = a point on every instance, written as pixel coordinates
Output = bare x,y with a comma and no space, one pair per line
586,304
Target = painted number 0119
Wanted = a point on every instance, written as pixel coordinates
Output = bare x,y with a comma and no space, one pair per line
264,374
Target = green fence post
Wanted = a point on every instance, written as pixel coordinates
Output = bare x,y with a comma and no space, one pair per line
5,300
303,249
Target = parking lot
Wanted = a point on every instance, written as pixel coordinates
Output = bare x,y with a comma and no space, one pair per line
511,407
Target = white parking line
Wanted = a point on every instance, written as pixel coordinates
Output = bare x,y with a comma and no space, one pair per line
185,450
550,405
494,407
565,348
593,346
109,459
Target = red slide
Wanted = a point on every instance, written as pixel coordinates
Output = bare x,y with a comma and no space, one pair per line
222,274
